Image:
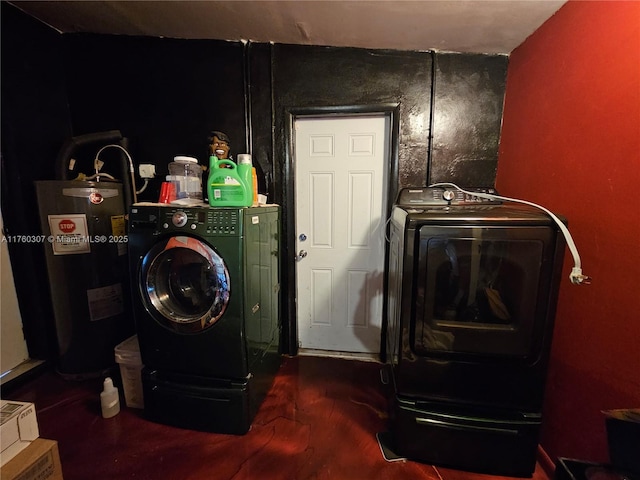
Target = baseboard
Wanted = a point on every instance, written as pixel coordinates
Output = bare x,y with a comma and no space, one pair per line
21,374
364,357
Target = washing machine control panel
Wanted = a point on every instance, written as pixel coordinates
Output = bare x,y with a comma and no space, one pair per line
444,196
202,221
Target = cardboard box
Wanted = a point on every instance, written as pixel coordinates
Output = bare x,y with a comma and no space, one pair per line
18,427
39,461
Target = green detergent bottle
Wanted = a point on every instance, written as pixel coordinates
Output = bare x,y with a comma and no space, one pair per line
230,185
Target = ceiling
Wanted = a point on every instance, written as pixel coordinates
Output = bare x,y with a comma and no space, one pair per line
480,26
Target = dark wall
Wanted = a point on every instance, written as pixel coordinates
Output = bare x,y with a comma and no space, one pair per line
166,95
310,76
35,121
260,114
468,98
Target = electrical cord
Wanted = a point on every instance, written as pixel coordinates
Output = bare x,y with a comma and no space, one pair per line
144,187
576,276
97,165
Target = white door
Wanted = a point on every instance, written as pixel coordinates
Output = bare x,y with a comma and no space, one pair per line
14,347
340,196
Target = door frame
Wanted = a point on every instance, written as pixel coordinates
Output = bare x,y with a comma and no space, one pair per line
289,310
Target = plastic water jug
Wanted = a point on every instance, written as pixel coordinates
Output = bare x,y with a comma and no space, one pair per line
186,175
230,185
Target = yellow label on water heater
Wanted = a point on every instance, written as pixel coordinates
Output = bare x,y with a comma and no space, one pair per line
119,231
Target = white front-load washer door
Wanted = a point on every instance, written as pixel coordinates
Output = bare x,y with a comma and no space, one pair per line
184,284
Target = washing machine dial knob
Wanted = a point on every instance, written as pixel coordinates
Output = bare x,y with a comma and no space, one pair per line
449,195
179,219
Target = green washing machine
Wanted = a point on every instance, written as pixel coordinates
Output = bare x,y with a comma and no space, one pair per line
206,295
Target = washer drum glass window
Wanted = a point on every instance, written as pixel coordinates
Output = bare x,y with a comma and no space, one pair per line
184,284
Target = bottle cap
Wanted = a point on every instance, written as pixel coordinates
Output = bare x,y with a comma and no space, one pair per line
108,385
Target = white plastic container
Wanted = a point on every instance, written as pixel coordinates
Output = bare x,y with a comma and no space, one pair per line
109,399
186,175
128,357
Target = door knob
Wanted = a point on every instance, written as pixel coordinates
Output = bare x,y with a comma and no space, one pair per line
301,255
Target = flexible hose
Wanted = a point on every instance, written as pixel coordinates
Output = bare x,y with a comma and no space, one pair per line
97,167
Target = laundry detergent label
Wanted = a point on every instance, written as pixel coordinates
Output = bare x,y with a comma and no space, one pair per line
228,192
224,180
105,302
69,234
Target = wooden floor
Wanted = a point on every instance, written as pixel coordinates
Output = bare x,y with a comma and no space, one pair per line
318,422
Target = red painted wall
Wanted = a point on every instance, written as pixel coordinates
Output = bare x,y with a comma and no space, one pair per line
571,142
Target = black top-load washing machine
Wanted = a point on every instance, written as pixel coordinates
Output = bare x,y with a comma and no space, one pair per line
472,292
206,292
